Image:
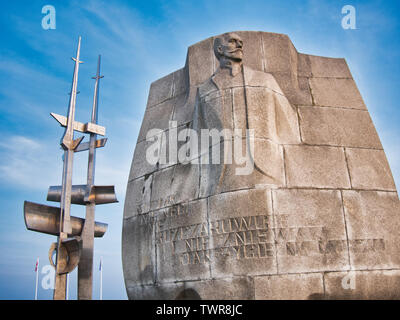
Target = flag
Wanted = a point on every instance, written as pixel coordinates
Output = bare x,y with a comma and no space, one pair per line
101,264
37,265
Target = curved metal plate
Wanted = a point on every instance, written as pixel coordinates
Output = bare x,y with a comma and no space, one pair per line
81,194
53,248
78,193
46,219
72,248
102,195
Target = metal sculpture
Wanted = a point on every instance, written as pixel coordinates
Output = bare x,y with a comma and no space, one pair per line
75,235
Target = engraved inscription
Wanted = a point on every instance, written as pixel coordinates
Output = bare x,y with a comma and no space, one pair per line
246,237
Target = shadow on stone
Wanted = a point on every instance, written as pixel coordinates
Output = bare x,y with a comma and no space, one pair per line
316,296
188,294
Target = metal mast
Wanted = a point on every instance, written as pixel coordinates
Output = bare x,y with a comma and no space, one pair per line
85,268
68,144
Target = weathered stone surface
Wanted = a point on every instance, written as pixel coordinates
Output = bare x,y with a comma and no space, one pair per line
239,113
217,109
166,291
138,196
329,67
304,65
319,202
175,184
200,61
304,87
235,204
140,165
294,88
253,52
335,92
309,231
160,151
157,117
173,142
254,78
289,287
338,127
180,82
183,112
235,289
138,238
369,169
133,196
373,229
367,285
182,242
217,178
241,239
278,53
318,167
277,121
160,90
239,288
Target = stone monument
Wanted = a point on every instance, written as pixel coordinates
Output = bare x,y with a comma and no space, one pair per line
306,209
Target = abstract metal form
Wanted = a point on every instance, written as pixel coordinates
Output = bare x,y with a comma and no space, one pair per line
74,246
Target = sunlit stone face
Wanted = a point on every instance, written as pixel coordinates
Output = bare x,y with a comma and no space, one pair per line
230,46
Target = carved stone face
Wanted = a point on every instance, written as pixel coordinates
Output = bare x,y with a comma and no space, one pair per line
230,46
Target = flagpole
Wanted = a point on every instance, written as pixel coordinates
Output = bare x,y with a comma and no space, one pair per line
37,278
101,278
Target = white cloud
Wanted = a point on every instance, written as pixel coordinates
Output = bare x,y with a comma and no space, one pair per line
27,163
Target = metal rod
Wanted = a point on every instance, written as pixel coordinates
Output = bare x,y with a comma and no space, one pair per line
93,136
67,142
85,268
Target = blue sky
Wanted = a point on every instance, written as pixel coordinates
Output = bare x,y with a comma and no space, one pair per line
141,41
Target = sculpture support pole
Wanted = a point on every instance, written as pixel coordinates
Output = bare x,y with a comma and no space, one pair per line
61,279
85,268
68,144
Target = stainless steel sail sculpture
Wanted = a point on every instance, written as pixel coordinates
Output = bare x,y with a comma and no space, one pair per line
75,235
